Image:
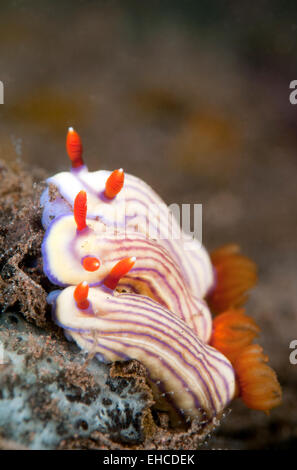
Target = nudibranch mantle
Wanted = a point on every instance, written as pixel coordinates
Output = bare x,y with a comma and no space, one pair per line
188,374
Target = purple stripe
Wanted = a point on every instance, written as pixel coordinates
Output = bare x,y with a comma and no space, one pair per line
203,267
173,292
169,242
166,365
103,334
174,339
152,289
195,338
158,383
183,287
165,282
176,321
179,261
177,275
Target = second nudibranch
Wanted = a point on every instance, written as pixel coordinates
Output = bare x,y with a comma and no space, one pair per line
188,378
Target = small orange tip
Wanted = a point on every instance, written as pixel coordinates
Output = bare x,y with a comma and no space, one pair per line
118,271
91,263
74,148
81,295
80,210
235,275
114,183
232,332
258,384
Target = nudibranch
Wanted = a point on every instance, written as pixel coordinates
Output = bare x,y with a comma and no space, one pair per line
129,292
187,376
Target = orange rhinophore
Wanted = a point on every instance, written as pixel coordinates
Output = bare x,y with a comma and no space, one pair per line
74,148
118,271
232,332
235,275
91,263
258,384
114,183
80,210
81,295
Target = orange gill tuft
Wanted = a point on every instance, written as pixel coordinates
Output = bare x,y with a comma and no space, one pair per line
232,332
235,275
257,382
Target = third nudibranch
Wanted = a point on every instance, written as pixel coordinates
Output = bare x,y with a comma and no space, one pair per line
128,295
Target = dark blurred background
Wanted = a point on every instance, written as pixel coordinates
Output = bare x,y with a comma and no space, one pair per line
193,97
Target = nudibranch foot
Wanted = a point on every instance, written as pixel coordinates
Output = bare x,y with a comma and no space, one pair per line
235,274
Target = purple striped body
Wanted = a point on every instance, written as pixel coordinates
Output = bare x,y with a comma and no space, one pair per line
188,377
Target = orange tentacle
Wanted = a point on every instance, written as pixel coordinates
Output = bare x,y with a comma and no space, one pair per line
81,295
118,271
74,148
114,183
80,210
